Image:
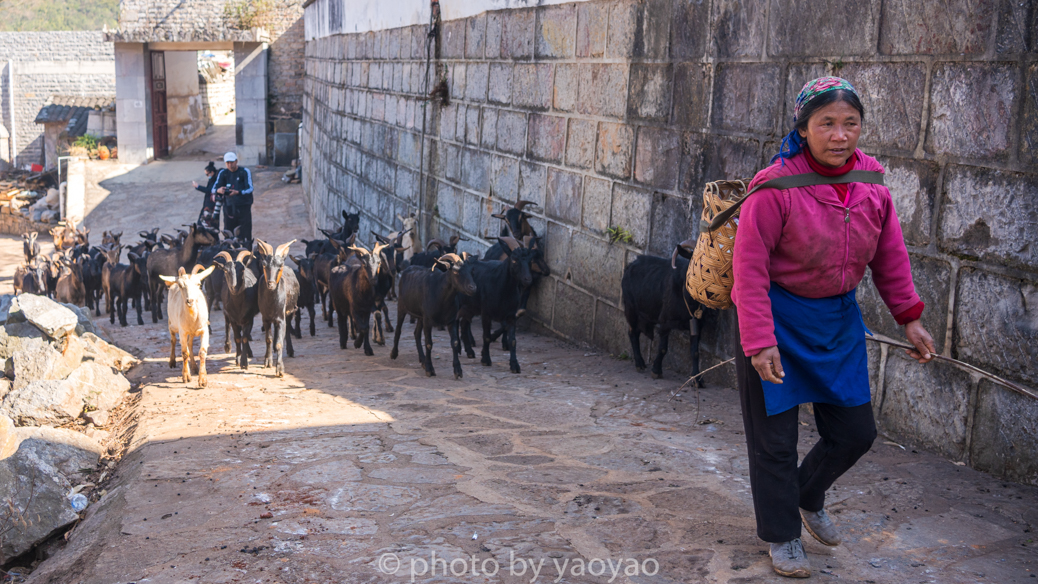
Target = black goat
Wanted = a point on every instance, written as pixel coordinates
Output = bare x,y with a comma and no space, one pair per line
30,247
307,292
277,297
240,301
353,292
92,267
69,289
430,297
124,283
434,249
654,294
111,259
499,287
166,262
323,265
110,237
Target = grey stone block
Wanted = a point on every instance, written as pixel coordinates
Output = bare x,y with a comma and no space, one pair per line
913,188
1029,133
472,125
610,329
615,143
737,28
488,133
500,90
962,125
598,197
927,405
449,121
849,30
603,89
932,279
596,266
574,312
689,31
657,157
556,248
691,94
547,138
650,91
580,146
475,170
669,224
457,73
533,85
989,214
556,32
447,205
893,102
450,161
542,300
639,28
563,196
511,132
1017,28
475,36
631,209
517,33
745,97
532,180
592,24
1005,434
960,27
453,38
476,81
504,178
567,84
495,26
708,158
994,329
472,213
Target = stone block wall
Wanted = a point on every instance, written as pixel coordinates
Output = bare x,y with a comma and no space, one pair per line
614,114
48,64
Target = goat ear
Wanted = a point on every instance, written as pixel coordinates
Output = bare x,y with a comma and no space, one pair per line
297,259
132,256
168,280
181,272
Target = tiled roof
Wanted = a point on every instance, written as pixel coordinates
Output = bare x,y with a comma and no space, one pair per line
74,111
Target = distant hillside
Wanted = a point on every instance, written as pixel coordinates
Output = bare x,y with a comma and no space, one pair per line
38,15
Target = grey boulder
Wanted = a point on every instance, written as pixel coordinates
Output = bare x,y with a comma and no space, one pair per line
92,386
50,317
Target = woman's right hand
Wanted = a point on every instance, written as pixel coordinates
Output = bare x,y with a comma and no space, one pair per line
768,365
194,183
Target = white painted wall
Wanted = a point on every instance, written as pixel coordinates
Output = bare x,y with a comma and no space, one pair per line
328,17
181,73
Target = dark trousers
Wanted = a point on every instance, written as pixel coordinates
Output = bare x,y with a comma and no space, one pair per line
239,216
778,485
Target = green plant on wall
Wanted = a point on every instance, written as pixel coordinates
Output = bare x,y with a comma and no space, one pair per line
248,14
619,235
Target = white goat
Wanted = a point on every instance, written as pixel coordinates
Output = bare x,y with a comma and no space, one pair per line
410,242
188,314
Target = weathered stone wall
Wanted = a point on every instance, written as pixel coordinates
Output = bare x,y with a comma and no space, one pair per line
47,64
615,114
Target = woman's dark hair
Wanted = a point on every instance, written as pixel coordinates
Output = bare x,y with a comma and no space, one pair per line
793,144
211,168
825,99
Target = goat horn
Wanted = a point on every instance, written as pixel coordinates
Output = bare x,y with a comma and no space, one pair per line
510,242
197,268
283,248
361,250
223,254
450,258
264,247
674,258
527,241
521,204
689,244
437,242
242,255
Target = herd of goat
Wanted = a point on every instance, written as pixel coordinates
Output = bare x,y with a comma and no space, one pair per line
201,269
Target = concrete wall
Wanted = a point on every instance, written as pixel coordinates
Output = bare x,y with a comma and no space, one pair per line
615,114
183,98
47,64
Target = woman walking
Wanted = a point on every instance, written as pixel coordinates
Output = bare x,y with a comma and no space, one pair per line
211,202
799,255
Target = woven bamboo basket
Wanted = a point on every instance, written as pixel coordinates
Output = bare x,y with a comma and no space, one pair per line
709,278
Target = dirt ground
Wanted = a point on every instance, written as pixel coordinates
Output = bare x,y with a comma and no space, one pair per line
361,469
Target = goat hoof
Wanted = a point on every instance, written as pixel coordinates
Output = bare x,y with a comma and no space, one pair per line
470,354
515,369
486,362
393,353
656,375
520,312
640,369
430,374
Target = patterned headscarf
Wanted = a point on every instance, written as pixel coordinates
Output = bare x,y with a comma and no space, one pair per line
792,144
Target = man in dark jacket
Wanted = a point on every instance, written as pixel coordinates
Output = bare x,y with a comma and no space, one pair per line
235,184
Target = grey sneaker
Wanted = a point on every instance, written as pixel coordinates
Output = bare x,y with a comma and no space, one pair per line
788,559
821,527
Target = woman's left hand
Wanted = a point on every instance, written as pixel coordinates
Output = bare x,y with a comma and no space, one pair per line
923,342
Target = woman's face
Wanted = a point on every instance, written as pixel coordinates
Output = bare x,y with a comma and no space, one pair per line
209,173
832,133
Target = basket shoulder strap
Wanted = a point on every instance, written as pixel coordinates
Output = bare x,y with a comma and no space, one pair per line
793,181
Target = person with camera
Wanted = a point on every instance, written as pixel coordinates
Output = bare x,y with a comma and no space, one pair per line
234,184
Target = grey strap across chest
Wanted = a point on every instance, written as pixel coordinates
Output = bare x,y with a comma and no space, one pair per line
793,181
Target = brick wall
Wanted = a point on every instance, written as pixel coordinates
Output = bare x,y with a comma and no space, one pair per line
615,114
46,64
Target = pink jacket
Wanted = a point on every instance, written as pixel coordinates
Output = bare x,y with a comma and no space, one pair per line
811,244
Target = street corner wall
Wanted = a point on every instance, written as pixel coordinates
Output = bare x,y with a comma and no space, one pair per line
186,117
613,115
47,64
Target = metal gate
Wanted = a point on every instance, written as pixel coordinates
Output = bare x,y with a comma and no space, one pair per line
160,123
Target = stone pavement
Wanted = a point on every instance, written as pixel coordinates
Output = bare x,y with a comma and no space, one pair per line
350,464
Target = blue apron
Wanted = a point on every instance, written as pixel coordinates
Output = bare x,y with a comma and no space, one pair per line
822,345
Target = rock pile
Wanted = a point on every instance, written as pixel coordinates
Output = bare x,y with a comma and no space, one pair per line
55,367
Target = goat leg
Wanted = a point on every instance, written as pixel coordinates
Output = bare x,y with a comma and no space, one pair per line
427,327
121,304
344,334
657,364
693,348
379,335
279,334
513,361
186,340
227,338
172,350
313,329
137,304
288,345
487,339
267,331
385,311
396,336
455,348
203,346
